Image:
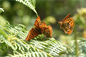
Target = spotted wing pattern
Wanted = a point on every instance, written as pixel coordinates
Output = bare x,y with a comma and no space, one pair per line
32,33
67,24
37,23
46,30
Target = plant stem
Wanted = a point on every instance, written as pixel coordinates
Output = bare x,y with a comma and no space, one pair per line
76,43
85,24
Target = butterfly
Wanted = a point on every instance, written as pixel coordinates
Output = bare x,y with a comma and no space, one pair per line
39,28
67,24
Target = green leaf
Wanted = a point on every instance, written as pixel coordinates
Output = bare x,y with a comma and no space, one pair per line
1,10
29,3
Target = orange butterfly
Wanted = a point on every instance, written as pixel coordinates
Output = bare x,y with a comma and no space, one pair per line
40,28
67,24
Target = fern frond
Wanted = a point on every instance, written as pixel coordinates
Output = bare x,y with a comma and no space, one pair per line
14,37
24,49
81,46
4,39
1,10
50,46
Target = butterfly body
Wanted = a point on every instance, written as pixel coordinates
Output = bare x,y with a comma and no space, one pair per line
40,28
67,24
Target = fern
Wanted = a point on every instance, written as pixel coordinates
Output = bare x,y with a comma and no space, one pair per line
81,46
29,3
1,10
50,46
13,37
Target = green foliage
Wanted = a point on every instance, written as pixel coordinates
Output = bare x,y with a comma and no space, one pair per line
1,10
12,37
82,46
13,40
29,3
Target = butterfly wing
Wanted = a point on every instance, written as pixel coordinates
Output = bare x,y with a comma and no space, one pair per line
32,33
46,30
69,32
69,21
69,24
49,32
43,24
63,20
66,17
37,23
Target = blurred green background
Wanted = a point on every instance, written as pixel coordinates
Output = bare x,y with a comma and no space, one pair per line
50,11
